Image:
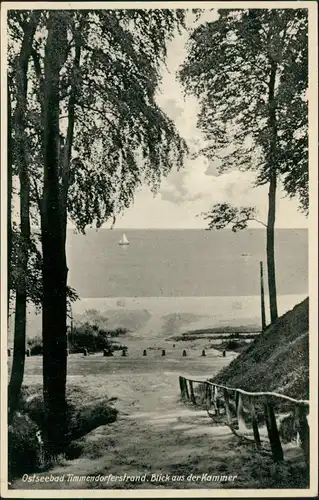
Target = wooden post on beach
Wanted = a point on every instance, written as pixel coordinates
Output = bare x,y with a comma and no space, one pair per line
203,352
184,352
144,352
163,352
273,433
262,298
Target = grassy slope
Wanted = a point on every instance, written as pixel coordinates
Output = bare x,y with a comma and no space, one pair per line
277,360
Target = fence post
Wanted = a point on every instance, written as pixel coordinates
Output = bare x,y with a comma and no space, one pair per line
181,386
227,408
273,433
208,394
216,401
193,399
186,388
254,422
240,414
303,430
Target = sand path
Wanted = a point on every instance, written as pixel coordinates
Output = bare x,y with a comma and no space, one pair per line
155,434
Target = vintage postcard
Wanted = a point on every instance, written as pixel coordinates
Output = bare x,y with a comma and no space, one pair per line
159,249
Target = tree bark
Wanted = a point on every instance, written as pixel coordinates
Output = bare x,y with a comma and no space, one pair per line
9,185
54,255
271,248
272,197
21,158
67,150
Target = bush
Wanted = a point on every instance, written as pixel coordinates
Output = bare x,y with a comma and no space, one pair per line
35,345
232,345
117,332
92,338
24,449
87,336
88,417
23,446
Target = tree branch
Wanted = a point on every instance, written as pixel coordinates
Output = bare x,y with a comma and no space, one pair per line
259,221
37,196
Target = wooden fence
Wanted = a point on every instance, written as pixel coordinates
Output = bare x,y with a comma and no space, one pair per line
238,402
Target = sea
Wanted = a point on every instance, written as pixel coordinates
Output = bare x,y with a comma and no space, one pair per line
171,281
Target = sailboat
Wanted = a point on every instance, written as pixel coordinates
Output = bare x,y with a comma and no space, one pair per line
124,240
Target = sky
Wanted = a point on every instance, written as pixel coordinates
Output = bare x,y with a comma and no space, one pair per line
197,186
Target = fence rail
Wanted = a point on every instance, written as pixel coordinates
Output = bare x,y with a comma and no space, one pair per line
217,394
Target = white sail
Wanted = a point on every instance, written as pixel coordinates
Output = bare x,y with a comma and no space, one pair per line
124,240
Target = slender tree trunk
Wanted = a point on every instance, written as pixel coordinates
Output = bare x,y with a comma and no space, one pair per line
54,256
271,249
67,150
9,206
17,371
272,197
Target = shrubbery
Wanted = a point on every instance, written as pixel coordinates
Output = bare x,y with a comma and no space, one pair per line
85,336
84,415
232,344
88,337
23,447
35,345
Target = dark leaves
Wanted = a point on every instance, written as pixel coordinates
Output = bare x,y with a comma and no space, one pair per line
223,215
228,69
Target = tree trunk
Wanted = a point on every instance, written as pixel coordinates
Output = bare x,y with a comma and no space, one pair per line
54,256
9,206
271,248
272,196
17,370
67,150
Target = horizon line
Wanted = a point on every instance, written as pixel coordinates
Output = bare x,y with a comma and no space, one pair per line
179,229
